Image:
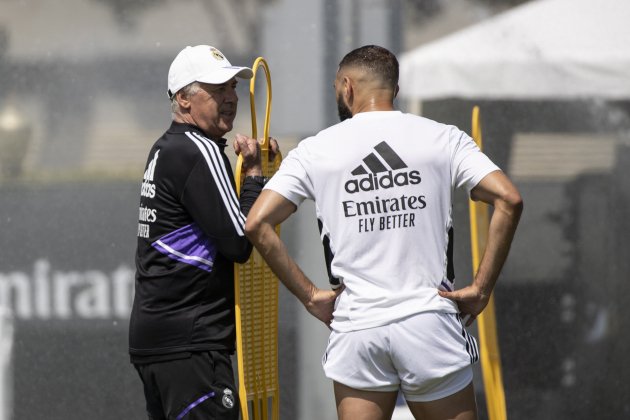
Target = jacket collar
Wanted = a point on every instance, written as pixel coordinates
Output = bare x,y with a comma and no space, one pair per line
181,128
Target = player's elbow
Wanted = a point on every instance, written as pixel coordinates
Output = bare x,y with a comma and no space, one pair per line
512,202
253,227
515,201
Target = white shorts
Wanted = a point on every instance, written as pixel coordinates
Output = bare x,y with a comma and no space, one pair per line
428,356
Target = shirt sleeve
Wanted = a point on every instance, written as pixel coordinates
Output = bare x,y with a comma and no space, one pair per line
292,180
210,198
469,164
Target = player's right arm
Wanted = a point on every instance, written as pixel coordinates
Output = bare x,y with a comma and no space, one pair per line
269,210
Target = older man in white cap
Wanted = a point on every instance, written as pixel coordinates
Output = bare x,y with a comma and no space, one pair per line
190,233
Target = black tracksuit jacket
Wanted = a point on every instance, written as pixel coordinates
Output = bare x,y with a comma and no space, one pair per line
190,233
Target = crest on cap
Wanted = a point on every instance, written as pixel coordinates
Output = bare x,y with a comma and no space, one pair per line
217,54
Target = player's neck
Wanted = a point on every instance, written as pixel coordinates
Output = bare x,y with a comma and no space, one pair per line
371,104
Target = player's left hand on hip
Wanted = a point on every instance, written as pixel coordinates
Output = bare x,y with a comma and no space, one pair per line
470,301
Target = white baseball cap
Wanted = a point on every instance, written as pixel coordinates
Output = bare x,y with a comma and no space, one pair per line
202,63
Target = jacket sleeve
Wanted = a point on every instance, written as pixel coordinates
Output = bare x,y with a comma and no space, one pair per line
210,198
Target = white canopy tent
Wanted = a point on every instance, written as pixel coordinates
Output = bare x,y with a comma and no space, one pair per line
544,49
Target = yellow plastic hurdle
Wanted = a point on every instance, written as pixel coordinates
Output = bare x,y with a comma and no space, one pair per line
486,322
256,300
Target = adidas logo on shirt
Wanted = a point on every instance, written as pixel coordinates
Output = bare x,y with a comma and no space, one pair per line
150,172
384,169
148,187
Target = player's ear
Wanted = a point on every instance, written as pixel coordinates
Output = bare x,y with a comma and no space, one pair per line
396,91
348,90
182,99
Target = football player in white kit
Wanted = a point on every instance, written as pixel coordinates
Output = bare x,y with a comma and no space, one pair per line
383,184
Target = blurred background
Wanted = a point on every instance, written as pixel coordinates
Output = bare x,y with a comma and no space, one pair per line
83,97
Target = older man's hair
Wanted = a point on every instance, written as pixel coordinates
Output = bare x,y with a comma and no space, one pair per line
188,90
379,61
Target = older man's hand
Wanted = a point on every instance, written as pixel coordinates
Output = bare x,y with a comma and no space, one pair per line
249,149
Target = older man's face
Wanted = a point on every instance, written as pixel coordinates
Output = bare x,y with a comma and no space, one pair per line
213,108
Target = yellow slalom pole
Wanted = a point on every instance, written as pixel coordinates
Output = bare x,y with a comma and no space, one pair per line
489,343
256,298
262,63
264,146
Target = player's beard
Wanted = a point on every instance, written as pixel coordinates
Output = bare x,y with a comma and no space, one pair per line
342,109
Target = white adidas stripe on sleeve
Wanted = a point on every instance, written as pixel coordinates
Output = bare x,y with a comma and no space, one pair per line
211,154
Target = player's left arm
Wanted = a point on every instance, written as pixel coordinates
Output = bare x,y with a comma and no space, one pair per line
269,210
498,191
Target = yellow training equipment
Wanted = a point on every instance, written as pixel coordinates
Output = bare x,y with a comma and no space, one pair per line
256,298
490,356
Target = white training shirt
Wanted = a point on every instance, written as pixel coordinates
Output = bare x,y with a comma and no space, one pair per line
383,185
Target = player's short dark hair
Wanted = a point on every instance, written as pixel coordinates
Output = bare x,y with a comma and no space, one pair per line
378,60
